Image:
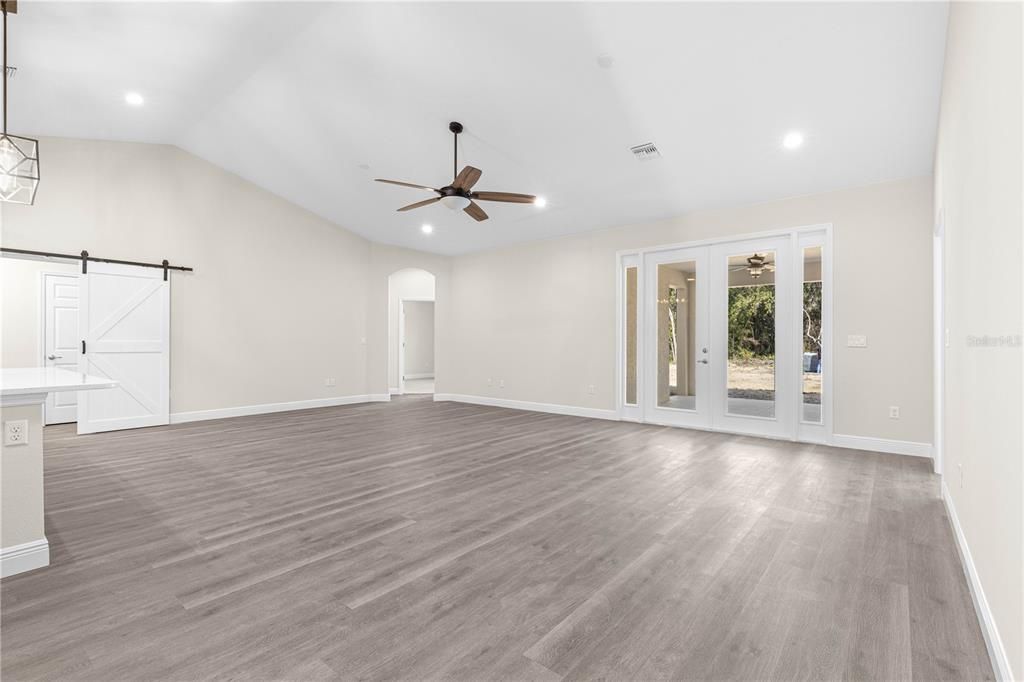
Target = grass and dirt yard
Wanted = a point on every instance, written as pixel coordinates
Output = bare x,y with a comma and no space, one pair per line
754,378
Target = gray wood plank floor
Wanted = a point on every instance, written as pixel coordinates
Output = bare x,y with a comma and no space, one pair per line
422,540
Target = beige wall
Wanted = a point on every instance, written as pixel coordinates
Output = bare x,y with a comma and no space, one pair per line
277,302
21,301
978,195
554,333
21,480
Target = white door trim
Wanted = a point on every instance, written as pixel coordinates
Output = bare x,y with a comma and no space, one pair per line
623,410
714,241
809,431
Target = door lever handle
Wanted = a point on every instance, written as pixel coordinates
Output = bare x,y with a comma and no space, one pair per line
703,362
53,357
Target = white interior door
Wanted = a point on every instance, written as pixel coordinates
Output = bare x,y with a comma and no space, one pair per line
754,362
124,317
676,355
60,340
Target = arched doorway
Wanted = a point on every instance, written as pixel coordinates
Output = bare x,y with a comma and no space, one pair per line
411,331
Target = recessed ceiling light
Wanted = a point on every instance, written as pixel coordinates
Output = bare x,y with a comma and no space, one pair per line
794,139
427,229
134,99
540,202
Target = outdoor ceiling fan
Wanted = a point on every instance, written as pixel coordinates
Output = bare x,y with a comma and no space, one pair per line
756,265
458,195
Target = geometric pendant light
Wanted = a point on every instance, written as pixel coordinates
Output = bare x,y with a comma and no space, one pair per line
19,156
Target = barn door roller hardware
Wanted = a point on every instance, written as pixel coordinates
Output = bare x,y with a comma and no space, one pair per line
85,258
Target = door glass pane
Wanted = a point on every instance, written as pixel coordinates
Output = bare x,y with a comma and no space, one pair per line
812,360
631,274
677,284
751,371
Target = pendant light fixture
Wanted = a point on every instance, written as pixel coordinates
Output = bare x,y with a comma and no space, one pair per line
19,156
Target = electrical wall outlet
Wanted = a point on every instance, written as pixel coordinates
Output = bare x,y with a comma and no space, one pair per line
501,383
591,389
894,412
490,381
329,381
16,432
857,341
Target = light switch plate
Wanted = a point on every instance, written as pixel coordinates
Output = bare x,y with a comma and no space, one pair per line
16,432
857,341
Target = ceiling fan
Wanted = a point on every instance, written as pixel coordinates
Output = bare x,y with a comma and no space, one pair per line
756,265
458,195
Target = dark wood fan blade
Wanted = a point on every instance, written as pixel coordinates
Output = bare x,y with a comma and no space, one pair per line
504,196
404,184
475,211
467,178
425,202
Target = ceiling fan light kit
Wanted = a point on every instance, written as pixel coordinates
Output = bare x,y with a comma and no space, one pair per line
19,156
455,202
458,196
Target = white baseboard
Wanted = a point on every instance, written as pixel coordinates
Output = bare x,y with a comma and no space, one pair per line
267,408
571,410
996,651
426,375
25,557
898,447
894,447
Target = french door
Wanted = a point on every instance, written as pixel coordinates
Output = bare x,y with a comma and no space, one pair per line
728,336
753,301
677,383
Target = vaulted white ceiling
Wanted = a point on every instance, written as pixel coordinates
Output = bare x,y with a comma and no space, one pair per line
313,100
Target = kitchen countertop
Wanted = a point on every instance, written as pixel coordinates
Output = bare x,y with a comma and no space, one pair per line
22,381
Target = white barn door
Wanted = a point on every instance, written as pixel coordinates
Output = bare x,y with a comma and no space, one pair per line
125,320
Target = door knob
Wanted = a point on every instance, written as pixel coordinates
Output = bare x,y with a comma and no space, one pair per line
53,357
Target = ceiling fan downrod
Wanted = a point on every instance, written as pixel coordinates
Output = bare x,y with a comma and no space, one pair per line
456,128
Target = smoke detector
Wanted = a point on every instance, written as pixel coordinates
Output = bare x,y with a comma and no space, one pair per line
645,152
